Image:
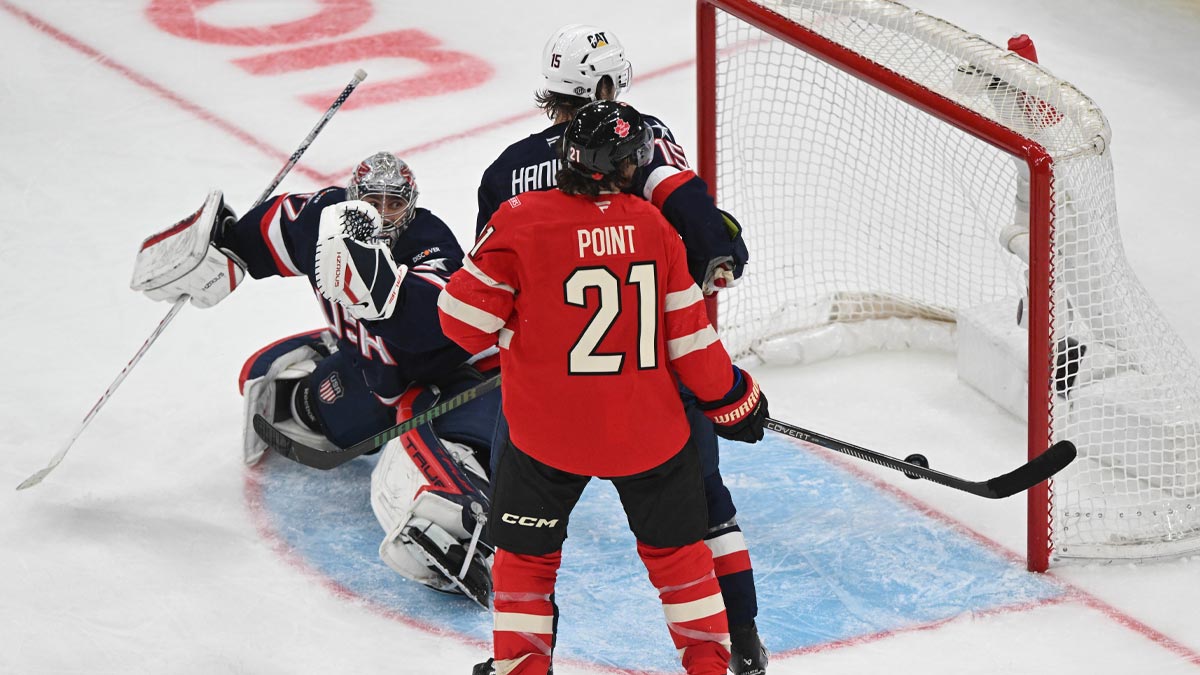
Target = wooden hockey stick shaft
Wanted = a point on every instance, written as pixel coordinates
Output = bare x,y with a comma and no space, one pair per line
1045,465
36,478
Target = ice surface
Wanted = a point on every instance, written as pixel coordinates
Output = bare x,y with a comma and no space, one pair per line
153,550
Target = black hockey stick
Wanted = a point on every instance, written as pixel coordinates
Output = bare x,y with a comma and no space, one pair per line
1038,469
317,458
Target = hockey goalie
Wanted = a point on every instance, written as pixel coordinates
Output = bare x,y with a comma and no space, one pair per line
377,264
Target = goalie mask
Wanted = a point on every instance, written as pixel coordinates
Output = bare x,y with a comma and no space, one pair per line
578,56
603,135
385,181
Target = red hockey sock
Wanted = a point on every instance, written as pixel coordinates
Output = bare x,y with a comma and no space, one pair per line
523,612
692,604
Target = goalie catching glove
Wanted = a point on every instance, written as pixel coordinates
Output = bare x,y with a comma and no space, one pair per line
742,414
355,267
183,261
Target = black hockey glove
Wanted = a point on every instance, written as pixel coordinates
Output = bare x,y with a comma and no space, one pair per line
742,413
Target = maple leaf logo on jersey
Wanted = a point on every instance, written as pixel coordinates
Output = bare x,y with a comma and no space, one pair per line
622,128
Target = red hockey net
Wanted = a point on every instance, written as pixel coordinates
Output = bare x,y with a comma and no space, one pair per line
904,182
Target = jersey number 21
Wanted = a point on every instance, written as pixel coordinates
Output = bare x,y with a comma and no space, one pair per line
583,359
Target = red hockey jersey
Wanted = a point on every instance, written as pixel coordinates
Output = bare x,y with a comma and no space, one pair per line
593,309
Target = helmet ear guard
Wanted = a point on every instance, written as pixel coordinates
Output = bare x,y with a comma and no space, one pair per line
578,56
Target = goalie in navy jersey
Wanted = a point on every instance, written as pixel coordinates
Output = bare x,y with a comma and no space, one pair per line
586,292
582,63
377,263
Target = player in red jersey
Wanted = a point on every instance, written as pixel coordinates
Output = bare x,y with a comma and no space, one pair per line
586,291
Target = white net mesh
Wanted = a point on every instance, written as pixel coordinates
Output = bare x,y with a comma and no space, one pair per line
863,210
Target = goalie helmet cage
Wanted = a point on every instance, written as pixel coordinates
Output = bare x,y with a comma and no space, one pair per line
906,183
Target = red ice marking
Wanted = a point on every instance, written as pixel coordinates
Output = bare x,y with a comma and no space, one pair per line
181,19
1072,592
448,70
148,84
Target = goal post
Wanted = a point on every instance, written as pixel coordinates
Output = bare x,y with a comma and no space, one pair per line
905,183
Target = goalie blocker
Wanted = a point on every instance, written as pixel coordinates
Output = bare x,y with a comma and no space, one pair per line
183,261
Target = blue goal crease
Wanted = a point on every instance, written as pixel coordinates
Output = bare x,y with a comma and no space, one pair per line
835,559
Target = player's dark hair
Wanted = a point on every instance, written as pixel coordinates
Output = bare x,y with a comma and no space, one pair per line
554,104
575,183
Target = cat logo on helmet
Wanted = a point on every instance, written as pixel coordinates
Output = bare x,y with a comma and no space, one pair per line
578,57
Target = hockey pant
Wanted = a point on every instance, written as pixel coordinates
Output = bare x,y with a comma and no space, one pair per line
724,536
665,510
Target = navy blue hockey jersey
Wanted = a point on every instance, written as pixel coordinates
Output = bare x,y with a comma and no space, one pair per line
667,182
279,238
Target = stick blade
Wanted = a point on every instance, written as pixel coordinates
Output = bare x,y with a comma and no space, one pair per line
35,478
274,438
1045,465
296,451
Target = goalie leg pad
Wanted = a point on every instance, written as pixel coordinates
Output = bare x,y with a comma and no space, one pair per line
427,494
443,556
268,378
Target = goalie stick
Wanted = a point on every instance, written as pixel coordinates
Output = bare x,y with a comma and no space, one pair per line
359,76
1036,470
317,458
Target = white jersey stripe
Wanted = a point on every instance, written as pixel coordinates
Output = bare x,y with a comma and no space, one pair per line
682,299
472,269
657,176
469,314
689,343
431,278
275,242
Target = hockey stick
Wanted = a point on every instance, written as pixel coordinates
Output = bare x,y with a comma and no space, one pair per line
297,451
1045,465
54,461
36,478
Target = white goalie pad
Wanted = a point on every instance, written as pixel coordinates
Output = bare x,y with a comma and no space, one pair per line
182,260
354,263
259,397
399,500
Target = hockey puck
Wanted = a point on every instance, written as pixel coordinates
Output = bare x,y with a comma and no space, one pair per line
916,459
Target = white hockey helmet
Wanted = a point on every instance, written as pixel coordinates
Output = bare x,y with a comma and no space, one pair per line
577,56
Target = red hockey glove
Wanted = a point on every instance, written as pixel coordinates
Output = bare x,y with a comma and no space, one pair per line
742,413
